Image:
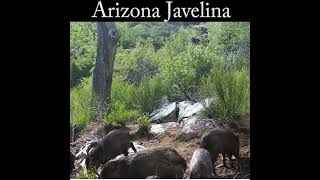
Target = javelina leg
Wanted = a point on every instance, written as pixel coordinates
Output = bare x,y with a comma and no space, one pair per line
224,159
231,162
132,146
125,152
238,163
214,168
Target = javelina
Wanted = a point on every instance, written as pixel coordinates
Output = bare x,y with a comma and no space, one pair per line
163,162
72,159
114,143
152,177
200,164
104,130
221,141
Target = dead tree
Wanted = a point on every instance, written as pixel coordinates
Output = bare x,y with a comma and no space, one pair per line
108,36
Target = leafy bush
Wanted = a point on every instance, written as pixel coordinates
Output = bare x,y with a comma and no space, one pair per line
231,88
231,40
81,103
138,64
148,94
129,35
117,113
86,174
123,92
144,122
82,50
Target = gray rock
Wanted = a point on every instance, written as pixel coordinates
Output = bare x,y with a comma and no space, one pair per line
160,128
167,113
188,109
195,126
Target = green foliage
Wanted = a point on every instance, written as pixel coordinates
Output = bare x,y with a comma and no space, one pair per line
86,174
123,92
149,94
162,61
184,65
230,87
137,65
231,40
82,50
144,125
129,35
81,103
118,113
144,122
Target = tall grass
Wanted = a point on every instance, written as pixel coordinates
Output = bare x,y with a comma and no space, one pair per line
231,88
118,113
81,104
149,94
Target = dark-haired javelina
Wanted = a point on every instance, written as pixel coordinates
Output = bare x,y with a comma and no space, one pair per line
221,141
72,159
104,130
201,165
113,144
163,162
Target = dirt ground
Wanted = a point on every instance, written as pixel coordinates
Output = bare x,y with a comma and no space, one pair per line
185,149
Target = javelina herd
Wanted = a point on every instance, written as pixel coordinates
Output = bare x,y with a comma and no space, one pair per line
156,163
164,162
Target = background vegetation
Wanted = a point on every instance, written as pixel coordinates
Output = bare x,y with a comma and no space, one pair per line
157,59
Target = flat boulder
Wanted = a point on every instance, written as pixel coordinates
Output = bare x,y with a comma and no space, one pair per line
167,113
160,128
188,109
194,127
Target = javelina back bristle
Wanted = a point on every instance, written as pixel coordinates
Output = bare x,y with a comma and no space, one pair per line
220,141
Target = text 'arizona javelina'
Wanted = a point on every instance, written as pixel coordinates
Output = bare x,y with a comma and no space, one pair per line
221,141
201,165
162,162
114,143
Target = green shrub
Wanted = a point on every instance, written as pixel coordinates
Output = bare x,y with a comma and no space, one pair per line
117,113
231,88
86,175
144,125
123,92
81,104
144,122
148,94
82,50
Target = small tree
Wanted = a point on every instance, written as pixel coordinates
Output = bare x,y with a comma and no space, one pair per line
108,37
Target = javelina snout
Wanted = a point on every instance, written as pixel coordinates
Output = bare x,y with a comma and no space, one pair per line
162,162
114,143
221,141
201,165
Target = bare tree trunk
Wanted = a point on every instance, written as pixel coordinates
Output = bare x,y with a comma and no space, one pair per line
108,36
